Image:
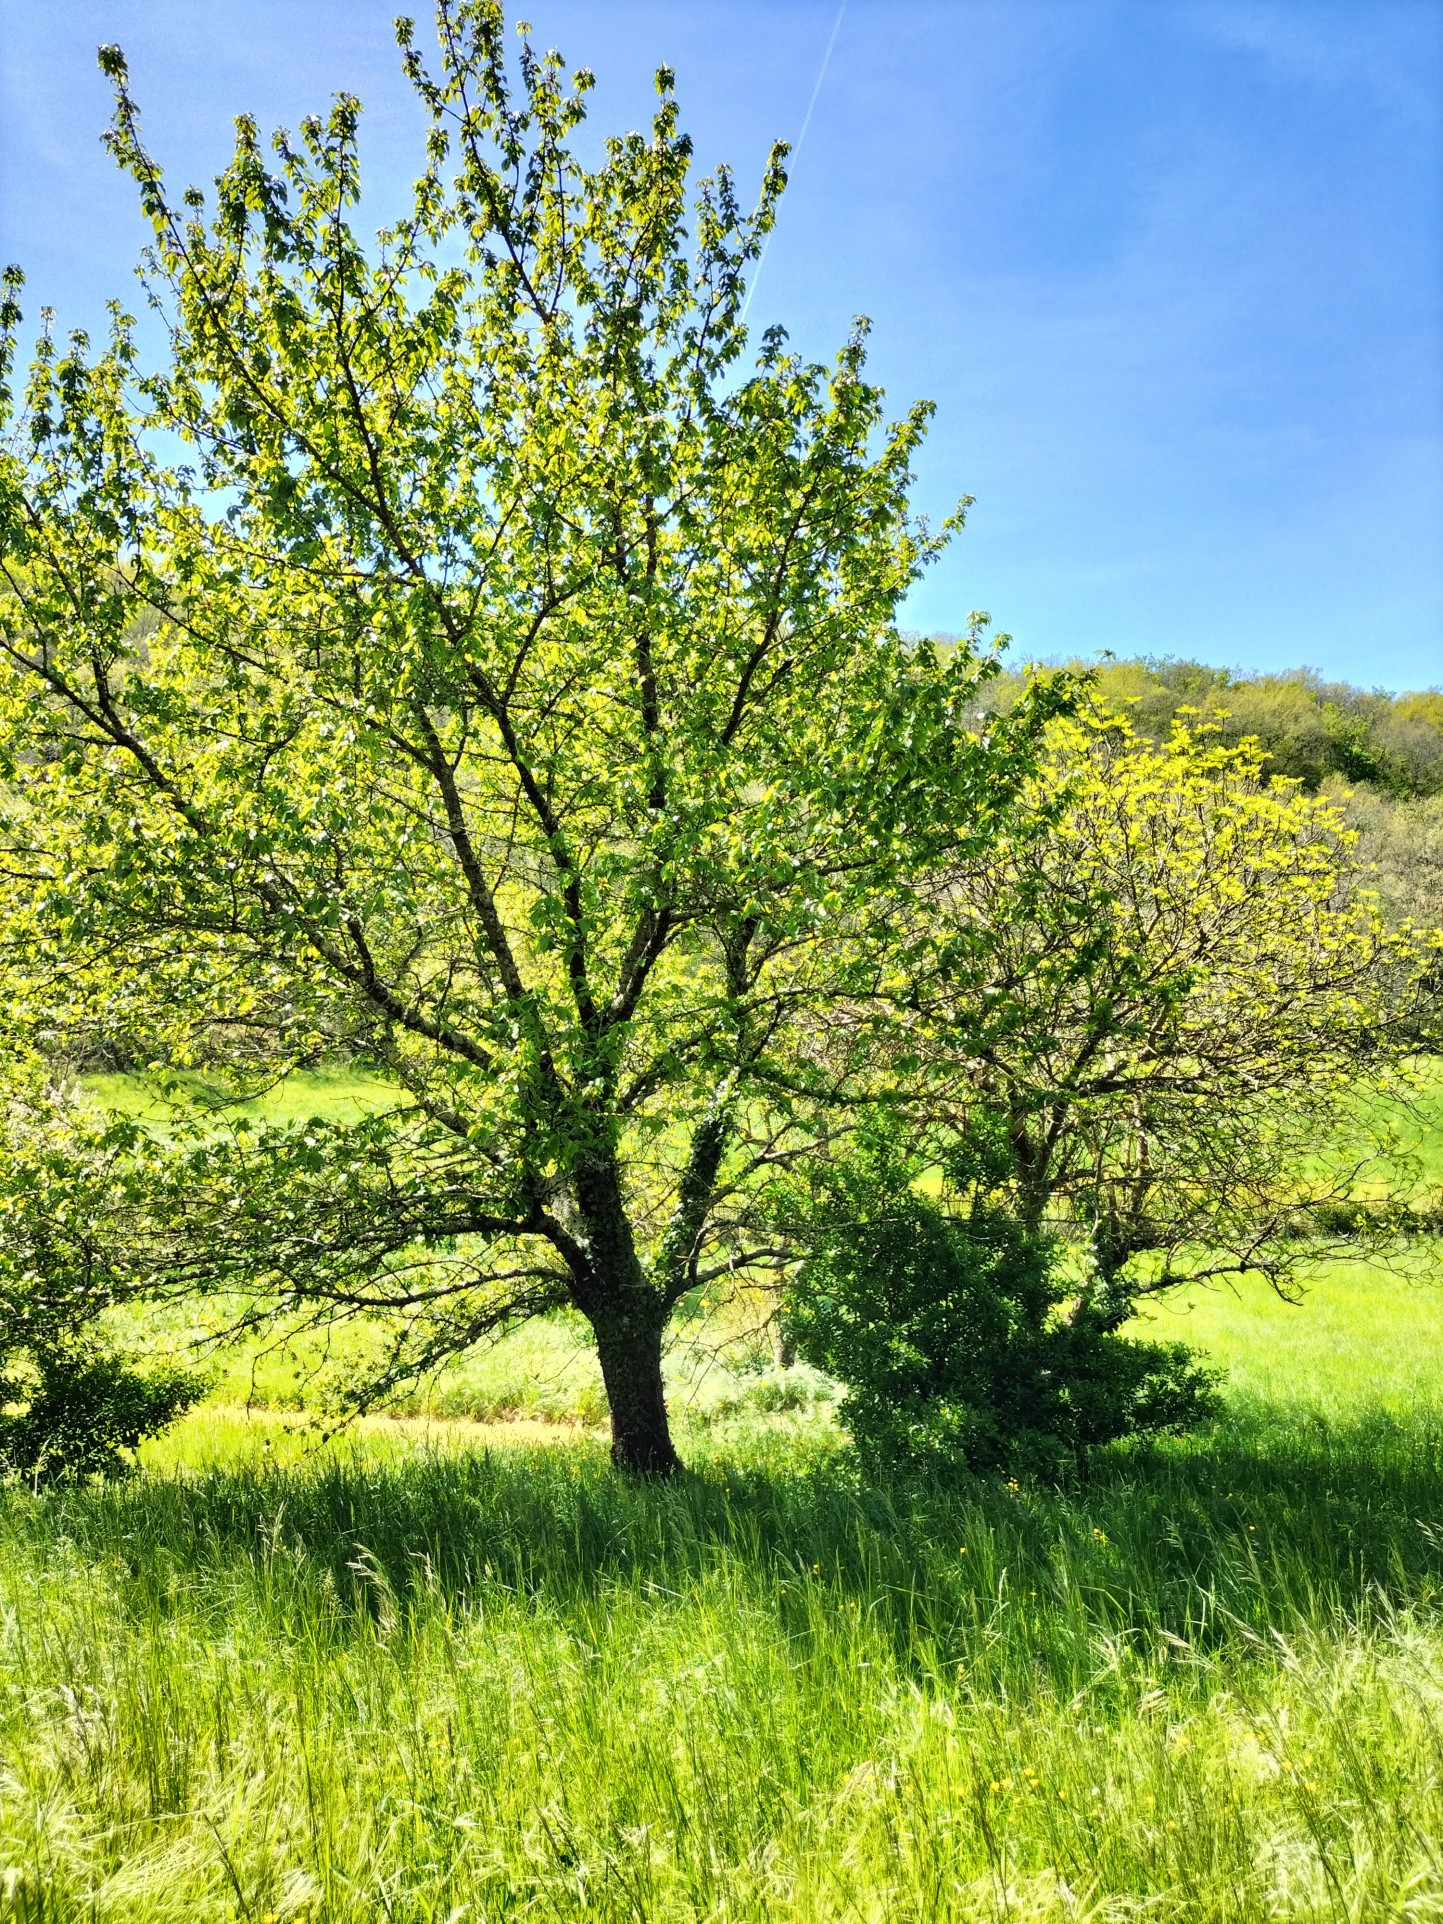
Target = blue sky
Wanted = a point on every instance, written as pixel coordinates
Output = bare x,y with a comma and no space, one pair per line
1171,269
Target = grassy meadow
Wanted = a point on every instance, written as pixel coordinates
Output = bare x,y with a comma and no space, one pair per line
448,1667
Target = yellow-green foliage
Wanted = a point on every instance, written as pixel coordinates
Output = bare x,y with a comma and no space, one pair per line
1220,894
1166,1002
1305,727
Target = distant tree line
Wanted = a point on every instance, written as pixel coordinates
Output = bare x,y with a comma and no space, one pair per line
1317,732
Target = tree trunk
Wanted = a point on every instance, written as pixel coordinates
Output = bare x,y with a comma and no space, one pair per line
628,1342
627,1316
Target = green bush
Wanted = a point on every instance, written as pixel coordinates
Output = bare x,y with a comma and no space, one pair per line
70,1412
71,1405
961,1345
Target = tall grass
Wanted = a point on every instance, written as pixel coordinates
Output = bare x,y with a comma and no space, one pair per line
397,1679
389,1682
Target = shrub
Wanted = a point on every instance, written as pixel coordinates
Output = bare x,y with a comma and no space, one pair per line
70,1406
959,1342
73,1413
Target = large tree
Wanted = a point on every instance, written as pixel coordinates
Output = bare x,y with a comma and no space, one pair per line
452,655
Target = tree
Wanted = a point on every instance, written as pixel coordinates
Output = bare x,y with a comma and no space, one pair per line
503,687
1400,849
1162,1016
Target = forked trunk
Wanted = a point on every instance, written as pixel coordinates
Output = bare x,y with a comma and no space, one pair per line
629,1345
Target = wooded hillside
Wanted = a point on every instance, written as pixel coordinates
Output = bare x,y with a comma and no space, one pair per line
1380,754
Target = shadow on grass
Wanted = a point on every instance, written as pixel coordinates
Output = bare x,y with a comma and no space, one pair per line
1273,1521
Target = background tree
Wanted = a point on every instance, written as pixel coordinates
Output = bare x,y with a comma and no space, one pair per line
1400,852
505,689
1379,756
1163,1015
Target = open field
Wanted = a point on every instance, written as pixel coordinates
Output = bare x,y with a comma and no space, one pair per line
338,1094
1363,1339
447,1666
413,1675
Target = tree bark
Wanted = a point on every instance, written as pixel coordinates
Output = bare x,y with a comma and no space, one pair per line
628,1341
628,1315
